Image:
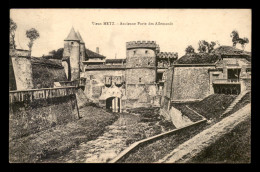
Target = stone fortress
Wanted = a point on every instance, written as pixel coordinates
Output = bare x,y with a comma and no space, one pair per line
45,92
118,84
145,78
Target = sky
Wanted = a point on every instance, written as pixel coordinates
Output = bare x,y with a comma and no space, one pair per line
186,27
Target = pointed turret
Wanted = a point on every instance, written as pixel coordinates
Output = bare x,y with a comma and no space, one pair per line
72,36
80,38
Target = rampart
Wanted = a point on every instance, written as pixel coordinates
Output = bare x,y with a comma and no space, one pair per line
22,68
31,111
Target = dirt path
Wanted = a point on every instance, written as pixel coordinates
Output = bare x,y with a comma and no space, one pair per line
193,146
105,147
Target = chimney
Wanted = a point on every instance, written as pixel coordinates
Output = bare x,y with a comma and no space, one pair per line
97,50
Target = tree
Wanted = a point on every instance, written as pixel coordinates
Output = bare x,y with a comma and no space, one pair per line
244,42
236,39
211,46
12,30
52,52
189,49
56,54
205,47
32,34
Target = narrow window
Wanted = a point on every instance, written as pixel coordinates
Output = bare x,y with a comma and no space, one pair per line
146,52
72,43
140,79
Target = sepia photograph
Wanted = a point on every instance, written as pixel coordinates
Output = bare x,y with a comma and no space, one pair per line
130,86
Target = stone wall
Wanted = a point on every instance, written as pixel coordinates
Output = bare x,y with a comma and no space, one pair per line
12,82
95,83
30,117
245,84
140,52
141,95
168,77
176,117
140,76
66,66
190,83
23,72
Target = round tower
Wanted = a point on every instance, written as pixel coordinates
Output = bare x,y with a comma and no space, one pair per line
141,62
71,53
140,73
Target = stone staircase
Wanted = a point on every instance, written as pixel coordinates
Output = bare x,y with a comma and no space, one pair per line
239,97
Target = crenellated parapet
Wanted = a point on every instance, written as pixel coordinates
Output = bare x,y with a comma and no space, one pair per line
142,44
171,55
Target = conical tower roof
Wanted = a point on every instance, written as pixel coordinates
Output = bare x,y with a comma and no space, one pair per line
72,36
80,38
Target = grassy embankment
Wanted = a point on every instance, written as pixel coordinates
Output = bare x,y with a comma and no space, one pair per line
244,101
211,108
61,139
233,147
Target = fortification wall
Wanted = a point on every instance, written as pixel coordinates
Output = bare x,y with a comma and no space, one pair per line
168,78
23,72
37,110
140,76
245,84
141,95
12,82
190,83
66,69
95,82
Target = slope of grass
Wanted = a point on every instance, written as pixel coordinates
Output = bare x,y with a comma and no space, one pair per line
244,101
60,139
234,147
213,106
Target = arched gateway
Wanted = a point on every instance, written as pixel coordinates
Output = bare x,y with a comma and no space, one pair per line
111,98
113,104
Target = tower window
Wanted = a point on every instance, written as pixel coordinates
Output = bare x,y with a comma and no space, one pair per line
72,43
140,79
146,52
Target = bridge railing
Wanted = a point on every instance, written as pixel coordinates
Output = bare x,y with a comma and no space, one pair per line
43,93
